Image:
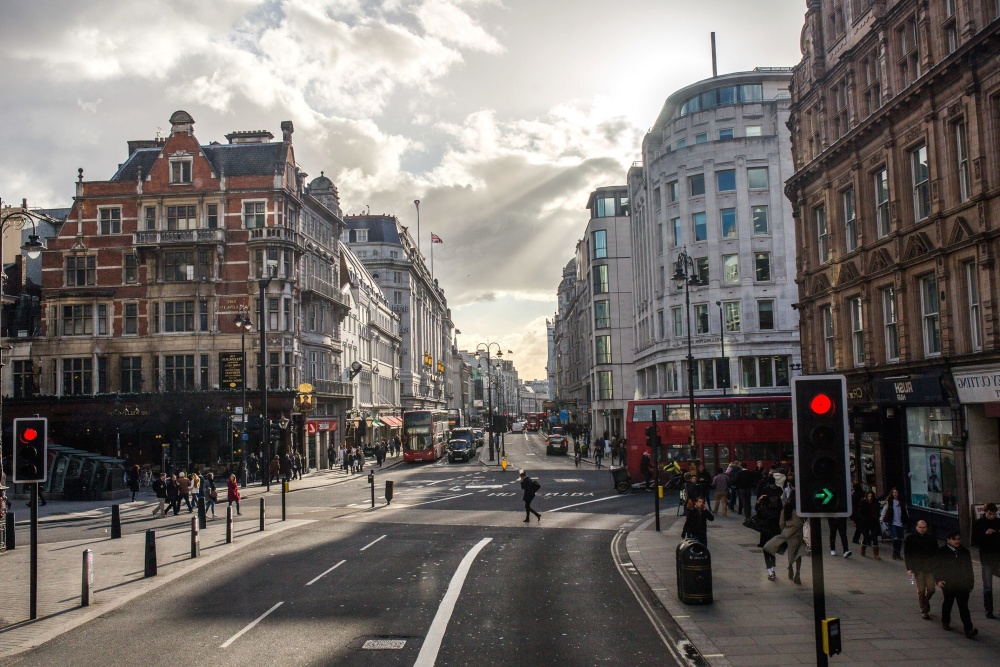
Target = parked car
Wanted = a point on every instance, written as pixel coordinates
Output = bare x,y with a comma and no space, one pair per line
557,442
517,427
459,450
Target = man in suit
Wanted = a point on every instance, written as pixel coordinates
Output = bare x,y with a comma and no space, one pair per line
954,576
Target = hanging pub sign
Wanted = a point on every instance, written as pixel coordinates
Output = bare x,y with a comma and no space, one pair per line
231,370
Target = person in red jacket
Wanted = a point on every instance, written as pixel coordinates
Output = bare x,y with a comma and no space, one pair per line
233,493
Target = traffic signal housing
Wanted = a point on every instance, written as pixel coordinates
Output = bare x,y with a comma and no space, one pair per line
30,443
822,459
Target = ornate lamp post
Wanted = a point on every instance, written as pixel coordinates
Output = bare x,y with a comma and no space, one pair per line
685,275
244,324
489,371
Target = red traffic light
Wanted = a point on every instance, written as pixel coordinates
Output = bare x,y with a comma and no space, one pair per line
28,435
821,404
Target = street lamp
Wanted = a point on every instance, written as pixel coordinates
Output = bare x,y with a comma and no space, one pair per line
265,426
489,373
685,275
244,324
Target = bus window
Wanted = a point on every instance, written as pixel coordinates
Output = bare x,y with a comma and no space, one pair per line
758,410
713,411
678,413
644,413
784,410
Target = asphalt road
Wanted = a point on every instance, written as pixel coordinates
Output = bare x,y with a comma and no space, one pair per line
446,575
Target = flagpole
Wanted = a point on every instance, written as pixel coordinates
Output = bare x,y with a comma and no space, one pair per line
432,260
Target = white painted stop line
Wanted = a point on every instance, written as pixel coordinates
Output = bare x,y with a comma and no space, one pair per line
435,635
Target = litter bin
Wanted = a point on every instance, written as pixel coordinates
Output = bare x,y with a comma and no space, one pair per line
694,573
620,479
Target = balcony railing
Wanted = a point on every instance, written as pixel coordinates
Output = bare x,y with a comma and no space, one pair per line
323,288
178,236
333,387
283,234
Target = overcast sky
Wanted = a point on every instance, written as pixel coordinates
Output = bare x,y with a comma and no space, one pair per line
500,116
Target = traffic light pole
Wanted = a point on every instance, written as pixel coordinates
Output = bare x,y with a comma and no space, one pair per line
33,590
819,589
656,468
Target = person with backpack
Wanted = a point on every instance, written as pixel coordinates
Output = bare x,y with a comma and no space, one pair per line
209,492
530,487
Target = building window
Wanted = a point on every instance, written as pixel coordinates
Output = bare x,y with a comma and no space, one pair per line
603,349
203,315
182,217
726,180
701,322
102,375
839,115
681,143
677,231
102,319
890,324
111,220
759,215
696,185
678,318
24,379
882,221
254,214
972,294
962,159
78,376
704,374
601,279
909,60
179,266
950,26
701,138
752,131
921,183
178,316
829,349
600,244
762,264
857,331
757,178
604,386
150,217
731,269
930,314
731,315
700,226
78,320
602,314
180,171
764,371
156,317
728,218
81,271
822,235
179,369
701,270
131,269
765,314
212,216
871,82
660,325
850,220
725,133
672,193
397,277
203,370
131,319
605,207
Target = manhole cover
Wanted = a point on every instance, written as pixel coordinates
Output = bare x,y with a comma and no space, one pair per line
112,553
383,644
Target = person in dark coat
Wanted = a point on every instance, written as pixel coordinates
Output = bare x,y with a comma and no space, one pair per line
646,468
867,519
133,481
768,514
745,483
954,576
530,487
159,486
921,549
986,533
173,495
696,523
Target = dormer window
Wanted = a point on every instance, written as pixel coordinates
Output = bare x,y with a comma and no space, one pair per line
361,235
180,171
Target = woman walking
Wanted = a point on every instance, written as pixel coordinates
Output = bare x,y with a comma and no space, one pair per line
209,493
791,535
133,480
768,514
868,516
233,493
895,516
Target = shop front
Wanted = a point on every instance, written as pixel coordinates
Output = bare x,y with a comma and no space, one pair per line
924,452
865,433
319,437
978,390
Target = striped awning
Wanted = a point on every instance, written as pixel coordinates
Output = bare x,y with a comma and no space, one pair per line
392,422
376,422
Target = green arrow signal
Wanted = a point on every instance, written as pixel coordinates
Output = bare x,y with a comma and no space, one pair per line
825,496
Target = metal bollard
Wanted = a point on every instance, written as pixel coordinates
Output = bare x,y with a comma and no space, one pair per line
11,535
388,491
87,581
284,488
201,512
195,539
262,514
116,522
229,525
371,482
150,553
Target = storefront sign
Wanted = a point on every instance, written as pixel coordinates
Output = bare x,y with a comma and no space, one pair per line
920,389
314,426
978,385
230,370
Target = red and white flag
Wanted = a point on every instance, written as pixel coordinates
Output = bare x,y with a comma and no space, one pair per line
435,238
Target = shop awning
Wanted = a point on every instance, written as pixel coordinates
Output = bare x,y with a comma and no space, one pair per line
376,422
392,422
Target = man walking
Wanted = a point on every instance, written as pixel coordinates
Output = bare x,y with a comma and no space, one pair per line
920,549
646,468
530,487
160,489
721,484
986,533
953,574
744,485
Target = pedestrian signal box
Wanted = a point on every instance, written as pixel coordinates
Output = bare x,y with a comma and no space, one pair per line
30,443
831,635
822,459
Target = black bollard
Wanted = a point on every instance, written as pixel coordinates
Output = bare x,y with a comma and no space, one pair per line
11,541
195,539
229,525
284,486
262,514
371,482
116,522
150,553
201,512
388,491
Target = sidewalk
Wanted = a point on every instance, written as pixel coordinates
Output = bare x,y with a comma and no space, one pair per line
754,621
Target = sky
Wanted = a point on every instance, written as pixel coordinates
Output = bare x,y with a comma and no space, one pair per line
500,116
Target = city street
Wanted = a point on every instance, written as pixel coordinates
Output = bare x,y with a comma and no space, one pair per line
317,593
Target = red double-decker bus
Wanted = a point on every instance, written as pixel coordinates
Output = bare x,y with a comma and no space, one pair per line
425,435
738,428
535,420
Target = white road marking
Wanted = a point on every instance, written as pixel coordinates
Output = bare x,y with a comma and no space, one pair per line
485,486
371,543
326,573
438,500
249,627
435,635
440,481
567,480
586,502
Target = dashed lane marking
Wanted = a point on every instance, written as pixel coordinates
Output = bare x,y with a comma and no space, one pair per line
323,575
373,542
252,624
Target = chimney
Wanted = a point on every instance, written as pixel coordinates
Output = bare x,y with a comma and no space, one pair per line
249,137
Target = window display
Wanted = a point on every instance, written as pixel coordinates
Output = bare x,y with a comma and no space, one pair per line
933,483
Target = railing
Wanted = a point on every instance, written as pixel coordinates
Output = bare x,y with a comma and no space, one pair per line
274,234
333,387
320,286
157,237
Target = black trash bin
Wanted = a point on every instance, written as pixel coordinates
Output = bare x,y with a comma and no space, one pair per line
694,573
620,479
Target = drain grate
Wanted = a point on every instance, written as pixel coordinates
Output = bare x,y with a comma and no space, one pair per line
384,644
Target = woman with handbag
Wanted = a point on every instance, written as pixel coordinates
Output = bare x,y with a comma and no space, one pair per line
790,539
868,522
767,516
209,492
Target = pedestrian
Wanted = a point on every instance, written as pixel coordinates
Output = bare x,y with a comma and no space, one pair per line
209,493
274,471
768,514
732,472
757,475
173,495
285,467
704,480
921,550
646,468
233,493
954,576
577,456
159,487
530,487
721,484
183,491
895,517
696,523
133,480
868,520
792,537
195,488
986,533
598,455
838,525
745,484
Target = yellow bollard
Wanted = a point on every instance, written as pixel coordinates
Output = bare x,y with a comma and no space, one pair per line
284,486
659,490
503,462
